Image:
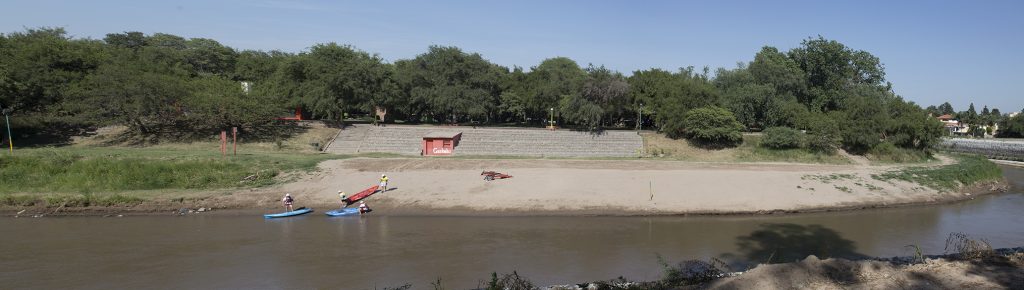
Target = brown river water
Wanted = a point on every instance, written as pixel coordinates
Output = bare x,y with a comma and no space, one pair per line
380,251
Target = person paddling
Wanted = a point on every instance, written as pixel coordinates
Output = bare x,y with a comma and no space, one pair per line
344,199
363,208
288,201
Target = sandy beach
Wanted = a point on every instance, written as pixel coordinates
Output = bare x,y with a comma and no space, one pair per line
607,187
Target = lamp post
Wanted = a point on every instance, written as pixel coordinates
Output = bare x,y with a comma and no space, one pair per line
551,124
7,119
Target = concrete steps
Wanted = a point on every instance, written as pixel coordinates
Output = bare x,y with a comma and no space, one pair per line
407,140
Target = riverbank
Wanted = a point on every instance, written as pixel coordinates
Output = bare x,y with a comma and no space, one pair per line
444,186
999,269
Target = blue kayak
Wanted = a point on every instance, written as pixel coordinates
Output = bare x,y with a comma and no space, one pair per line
300,211
343,212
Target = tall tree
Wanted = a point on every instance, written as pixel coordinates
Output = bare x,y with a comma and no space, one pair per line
946,109
38,67
771,67
604,96
330,80
832,70
455,85
550,81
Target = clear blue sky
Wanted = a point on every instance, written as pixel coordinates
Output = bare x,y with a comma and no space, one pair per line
933,51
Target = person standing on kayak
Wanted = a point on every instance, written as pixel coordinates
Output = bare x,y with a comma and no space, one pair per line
288,201
344,199
363,208
383,183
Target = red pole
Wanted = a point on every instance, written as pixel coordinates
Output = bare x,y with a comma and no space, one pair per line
234,141
223,143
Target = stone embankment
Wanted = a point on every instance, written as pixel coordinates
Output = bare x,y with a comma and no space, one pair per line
991,148
406,140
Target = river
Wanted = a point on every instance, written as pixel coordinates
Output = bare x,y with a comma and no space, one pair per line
379,251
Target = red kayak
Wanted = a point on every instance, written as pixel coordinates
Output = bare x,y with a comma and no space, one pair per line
361,195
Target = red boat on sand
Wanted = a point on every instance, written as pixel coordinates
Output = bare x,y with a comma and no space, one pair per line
361,195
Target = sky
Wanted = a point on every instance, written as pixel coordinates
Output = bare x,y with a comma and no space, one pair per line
933,51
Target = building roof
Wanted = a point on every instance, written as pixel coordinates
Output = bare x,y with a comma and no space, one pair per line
945,117
442,134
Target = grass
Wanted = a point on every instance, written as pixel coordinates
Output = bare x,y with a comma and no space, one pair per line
87,170
886,153
657,146
968,171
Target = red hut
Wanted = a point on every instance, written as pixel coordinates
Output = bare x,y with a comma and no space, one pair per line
440,143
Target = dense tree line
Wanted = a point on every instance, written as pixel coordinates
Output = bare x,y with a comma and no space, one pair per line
162,82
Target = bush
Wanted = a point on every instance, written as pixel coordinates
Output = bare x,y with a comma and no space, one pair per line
713,127
824,137
782,138
887,152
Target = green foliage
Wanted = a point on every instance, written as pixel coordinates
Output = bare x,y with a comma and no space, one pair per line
332,79
1012,127
946,109
889,153
782,138
712,127
831,69
862,124
167,85
38,68
86,171
670,95
452,85
548,83
969,170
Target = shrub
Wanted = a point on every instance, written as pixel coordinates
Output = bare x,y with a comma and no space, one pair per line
782,138
713,127
889,152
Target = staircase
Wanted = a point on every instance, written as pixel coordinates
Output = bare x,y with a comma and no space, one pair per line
406,140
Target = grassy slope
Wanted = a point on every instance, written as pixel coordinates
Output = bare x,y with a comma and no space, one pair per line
94,175
658,146
969,170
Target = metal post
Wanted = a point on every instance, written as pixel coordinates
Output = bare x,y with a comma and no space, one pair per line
234,141
10,138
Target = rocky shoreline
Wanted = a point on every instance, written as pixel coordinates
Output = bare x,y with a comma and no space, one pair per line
1005,266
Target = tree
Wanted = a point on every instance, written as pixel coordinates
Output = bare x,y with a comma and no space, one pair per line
549,82
453,84
910,126
258,66
136,90
771,67
1012,127
207,56
331,79
132,39
970,116
832,69
218,103
863,123
712,127
946,109
39,67
604,96
782,138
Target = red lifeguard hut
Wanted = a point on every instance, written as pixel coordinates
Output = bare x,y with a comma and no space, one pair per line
440,143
